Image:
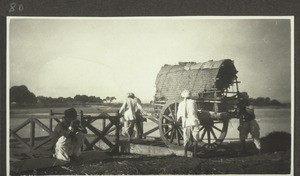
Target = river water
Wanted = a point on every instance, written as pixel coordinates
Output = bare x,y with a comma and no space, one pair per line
271,119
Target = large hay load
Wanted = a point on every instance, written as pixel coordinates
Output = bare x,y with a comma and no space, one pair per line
213,85
196,77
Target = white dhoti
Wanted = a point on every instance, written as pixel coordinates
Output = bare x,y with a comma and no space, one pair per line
251,127
65,148
190,133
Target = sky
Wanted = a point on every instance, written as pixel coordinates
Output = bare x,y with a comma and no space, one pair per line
63,57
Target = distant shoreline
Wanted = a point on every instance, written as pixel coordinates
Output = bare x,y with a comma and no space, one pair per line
28,106
272,107
25,106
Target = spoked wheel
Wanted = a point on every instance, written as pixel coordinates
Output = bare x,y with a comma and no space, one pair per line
170,130
212,131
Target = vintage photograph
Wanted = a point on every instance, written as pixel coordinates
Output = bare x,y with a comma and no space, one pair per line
150,95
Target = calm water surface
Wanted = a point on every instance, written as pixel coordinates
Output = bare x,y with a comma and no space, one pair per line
269,120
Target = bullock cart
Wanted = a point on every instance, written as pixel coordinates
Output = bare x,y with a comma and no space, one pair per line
213,85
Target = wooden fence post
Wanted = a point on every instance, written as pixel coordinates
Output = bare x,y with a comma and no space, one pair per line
103,123
51,120
51,124
81,115
32,133
80,118
117,133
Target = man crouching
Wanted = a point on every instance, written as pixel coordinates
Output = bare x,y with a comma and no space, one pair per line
68,137
187,112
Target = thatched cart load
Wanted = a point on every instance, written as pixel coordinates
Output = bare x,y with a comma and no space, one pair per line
196,77
213,85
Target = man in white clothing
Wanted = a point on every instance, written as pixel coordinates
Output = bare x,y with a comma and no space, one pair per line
130,106
248,124
187,112
68,137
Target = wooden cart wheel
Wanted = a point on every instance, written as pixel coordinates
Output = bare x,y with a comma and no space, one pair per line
170,130
212,130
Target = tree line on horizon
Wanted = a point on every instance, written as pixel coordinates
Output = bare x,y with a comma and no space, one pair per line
21,95
265,101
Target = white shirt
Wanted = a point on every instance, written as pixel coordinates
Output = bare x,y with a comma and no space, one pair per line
130,105
187,110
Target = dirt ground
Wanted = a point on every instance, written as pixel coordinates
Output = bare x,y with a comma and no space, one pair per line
274,163
275,158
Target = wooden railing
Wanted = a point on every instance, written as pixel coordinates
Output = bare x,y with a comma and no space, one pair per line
103,134
152,130
33,121
34,143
